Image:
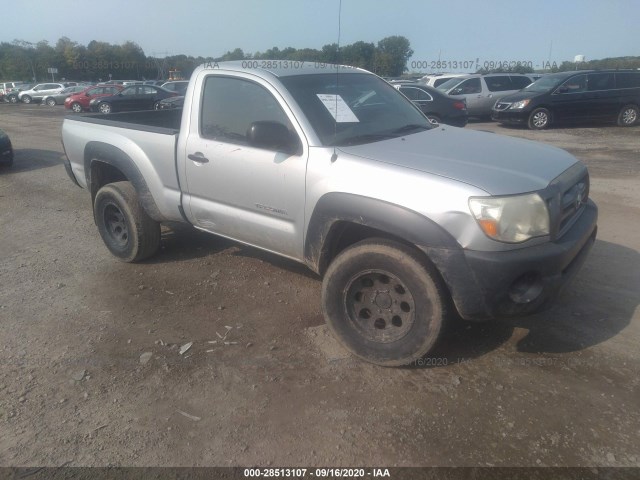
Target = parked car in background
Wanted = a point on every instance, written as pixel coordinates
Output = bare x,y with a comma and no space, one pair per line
79,102
574,96
11,90
40,91
158,83
438,79
6,150
134,97
171,102
180,86
438,107
482,91
7,87
60,97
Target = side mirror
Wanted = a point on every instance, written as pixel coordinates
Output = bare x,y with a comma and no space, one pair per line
562,89
87,94
271,136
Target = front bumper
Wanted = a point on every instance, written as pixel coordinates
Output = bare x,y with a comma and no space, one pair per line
487,285
506,116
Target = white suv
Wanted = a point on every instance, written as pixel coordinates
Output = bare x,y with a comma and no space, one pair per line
40,91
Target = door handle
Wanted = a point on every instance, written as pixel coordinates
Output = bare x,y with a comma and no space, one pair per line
198,157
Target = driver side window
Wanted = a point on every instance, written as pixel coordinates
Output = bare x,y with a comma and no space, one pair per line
231,105
575,84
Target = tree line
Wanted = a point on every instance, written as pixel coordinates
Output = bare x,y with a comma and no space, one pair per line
27,61
100,61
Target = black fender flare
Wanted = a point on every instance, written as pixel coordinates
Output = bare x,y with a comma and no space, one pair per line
335,208
105,153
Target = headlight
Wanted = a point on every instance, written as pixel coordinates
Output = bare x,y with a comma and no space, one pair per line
519,105
511,219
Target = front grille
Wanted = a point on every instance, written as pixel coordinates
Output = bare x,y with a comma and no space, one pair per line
566,198
572,202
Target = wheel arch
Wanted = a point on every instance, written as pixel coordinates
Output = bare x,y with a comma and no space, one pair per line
104,163
340,220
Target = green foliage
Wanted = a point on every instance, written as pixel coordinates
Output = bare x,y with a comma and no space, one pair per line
99,61
21,60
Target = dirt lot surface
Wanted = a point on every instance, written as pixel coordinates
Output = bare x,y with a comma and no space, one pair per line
91,372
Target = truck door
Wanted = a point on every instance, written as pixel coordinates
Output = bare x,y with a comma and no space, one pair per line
254,195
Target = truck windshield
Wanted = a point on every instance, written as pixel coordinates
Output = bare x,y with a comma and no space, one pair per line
354,108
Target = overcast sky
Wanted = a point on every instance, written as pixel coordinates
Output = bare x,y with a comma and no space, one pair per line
488,30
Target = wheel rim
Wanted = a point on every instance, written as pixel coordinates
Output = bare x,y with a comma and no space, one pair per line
379,306
13,99
76,107
156,106
629,116
116,226
540,119
51,102
26,99
105,108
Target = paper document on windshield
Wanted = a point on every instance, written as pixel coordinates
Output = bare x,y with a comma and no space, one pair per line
338,108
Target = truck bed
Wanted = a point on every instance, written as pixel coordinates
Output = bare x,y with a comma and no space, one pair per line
147,139
157,121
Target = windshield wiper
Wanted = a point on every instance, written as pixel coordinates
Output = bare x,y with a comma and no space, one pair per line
409,128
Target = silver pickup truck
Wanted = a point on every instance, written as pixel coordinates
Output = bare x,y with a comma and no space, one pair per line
406,223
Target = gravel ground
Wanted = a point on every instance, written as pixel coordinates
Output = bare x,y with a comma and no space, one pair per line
92,373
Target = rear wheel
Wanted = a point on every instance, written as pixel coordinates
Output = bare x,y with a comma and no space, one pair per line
12,98
51,102
628,116
126,229
383,302
539,119
26,99
76,107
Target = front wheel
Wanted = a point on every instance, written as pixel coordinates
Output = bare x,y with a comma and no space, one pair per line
76,107
51,102
628,116
539,119
126,229
383,302
26,99
12,98
104,108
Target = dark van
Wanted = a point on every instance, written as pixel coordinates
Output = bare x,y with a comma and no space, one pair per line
572,96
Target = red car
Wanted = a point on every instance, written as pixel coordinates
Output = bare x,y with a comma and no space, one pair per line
79,102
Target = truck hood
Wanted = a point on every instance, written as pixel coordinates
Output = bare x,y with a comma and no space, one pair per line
497,164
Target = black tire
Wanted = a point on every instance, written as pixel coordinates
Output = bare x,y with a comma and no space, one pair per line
12,98
26,99
383,302
628,116
126,229
539,119
51,102
104,107
76,107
